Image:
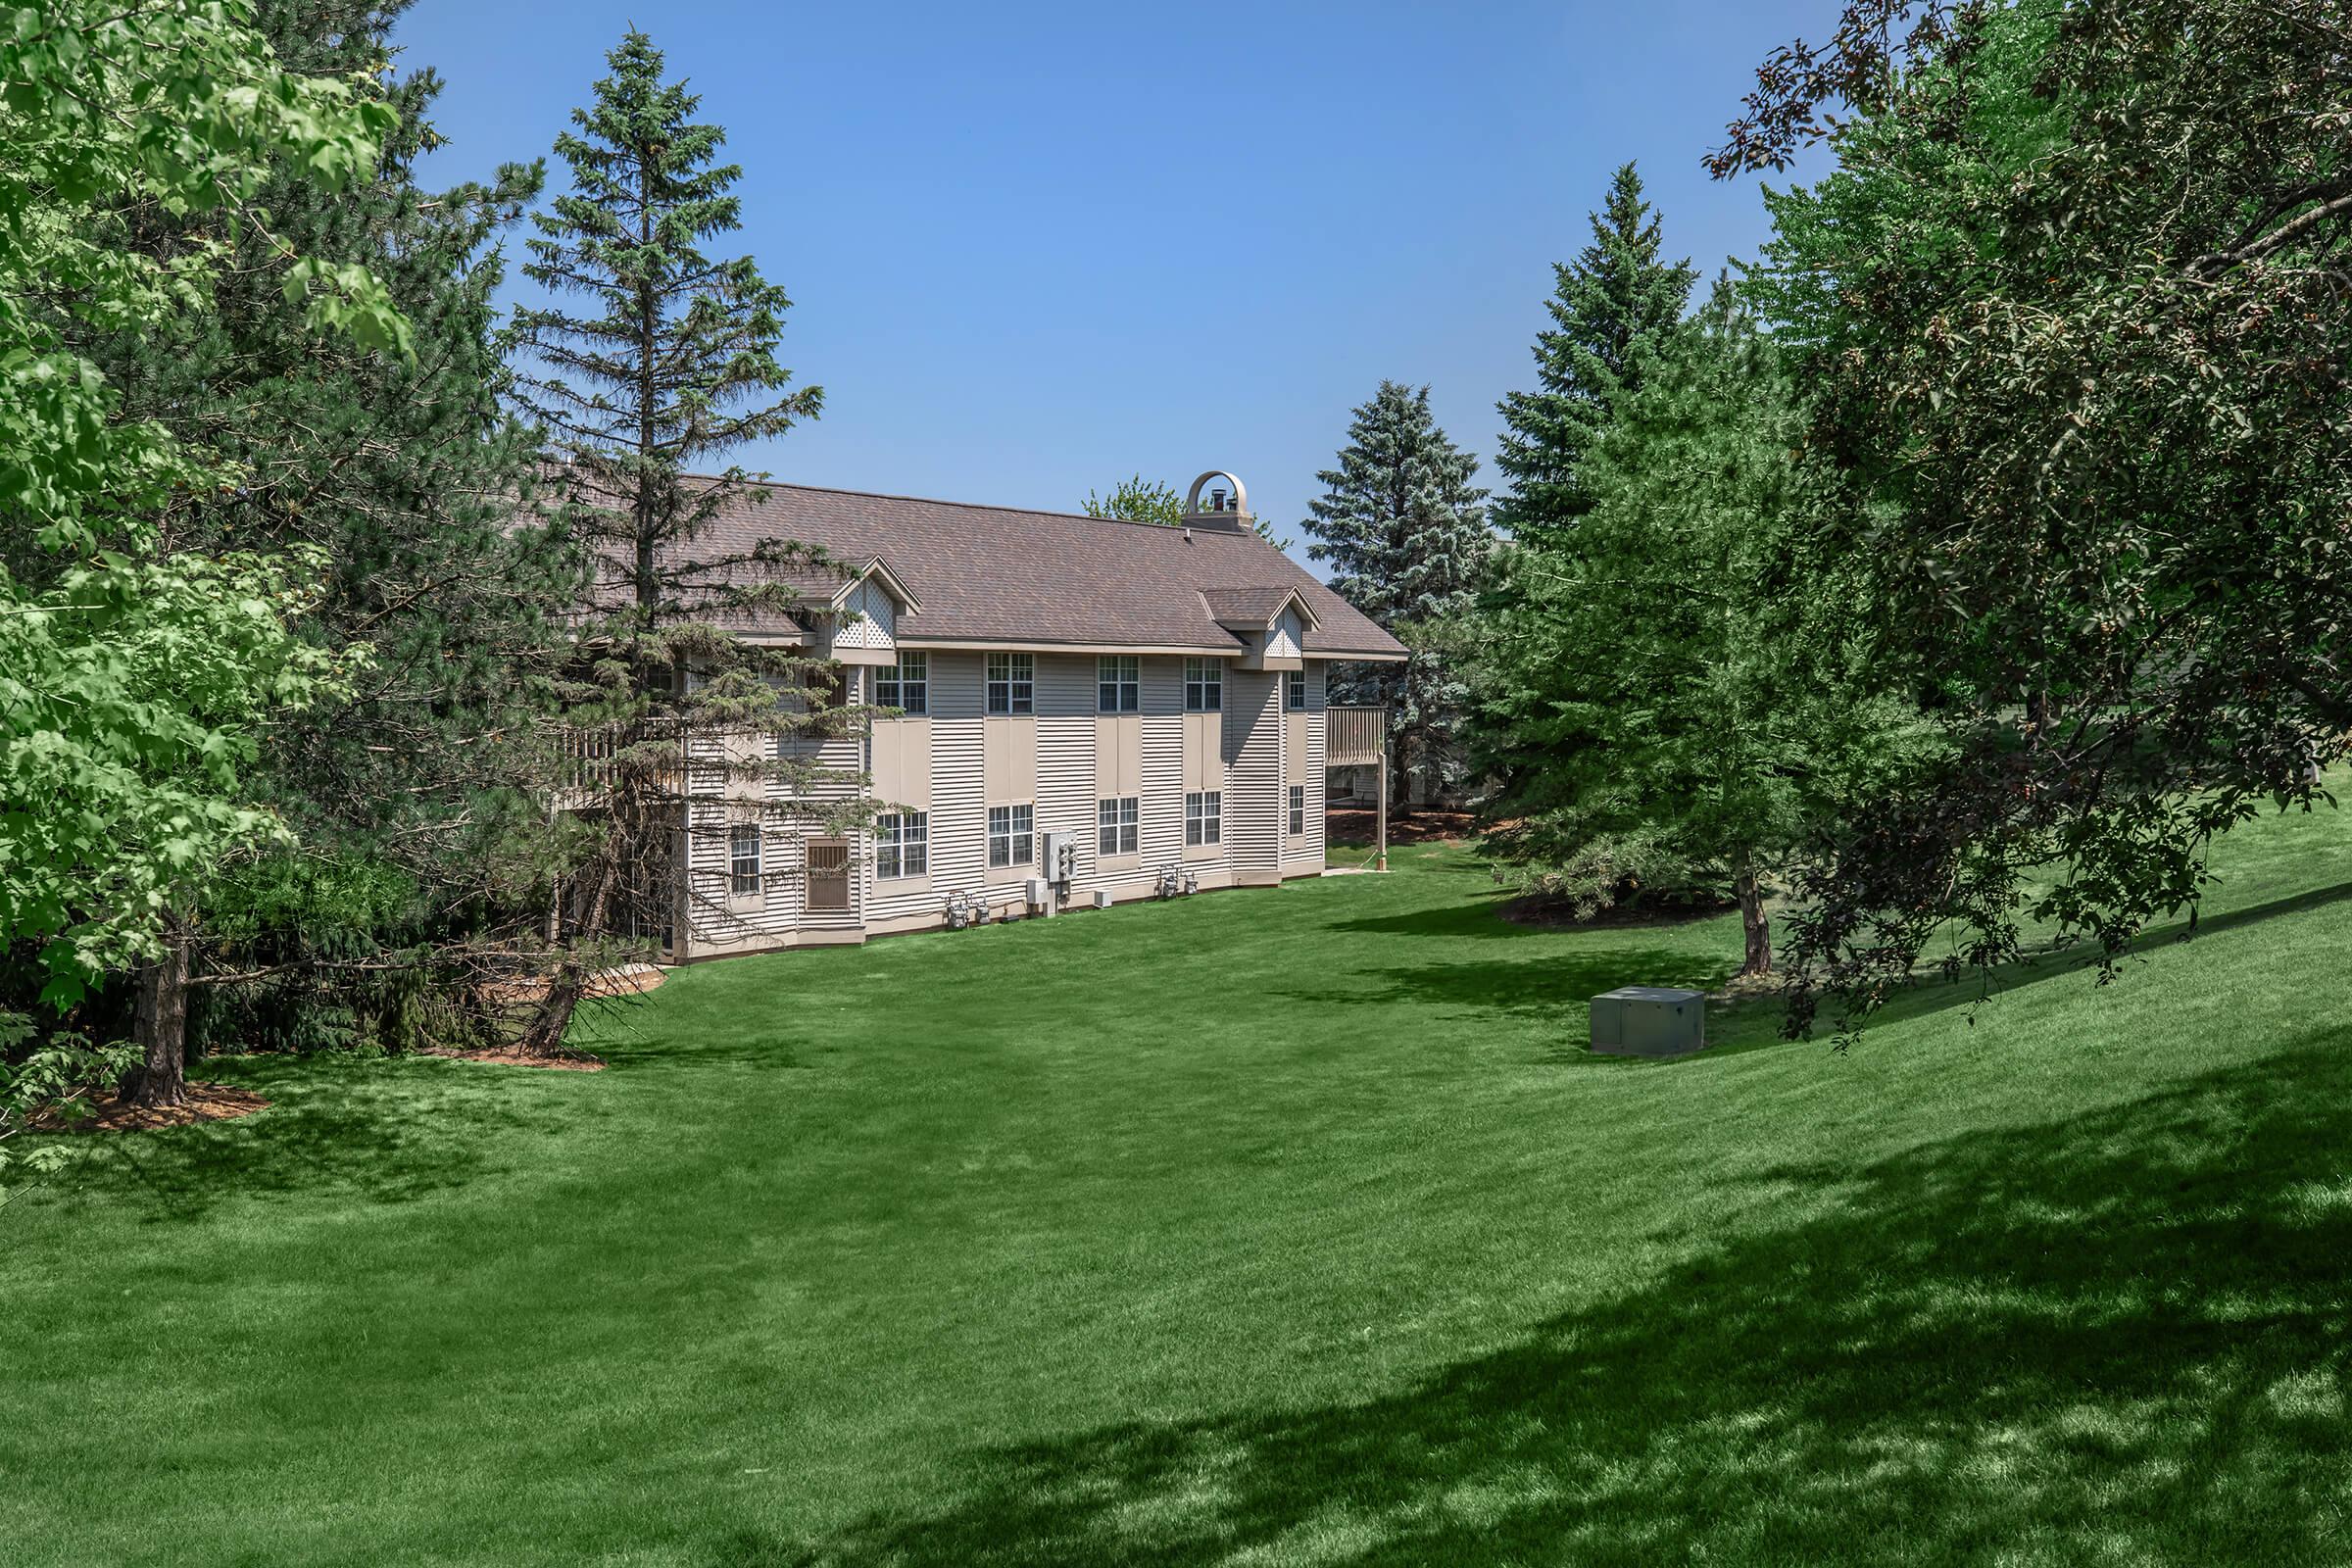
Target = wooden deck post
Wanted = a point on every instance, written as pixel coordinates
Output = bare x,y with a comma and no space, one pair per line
1380,819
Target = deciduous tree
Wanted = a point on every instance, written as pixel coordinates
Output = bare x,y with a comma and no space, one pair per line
409,479
2075,314
134,676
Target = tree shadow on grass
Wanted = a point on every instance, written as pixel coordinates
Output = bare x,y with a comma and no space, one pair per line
385,1132
1561,983
1479,915
2121,1338
1931,993
1555,984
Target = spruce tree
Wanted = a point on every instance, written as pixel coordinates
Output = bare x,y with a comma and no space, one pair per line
1680,693
404,473
1615,296
672,364
1406,532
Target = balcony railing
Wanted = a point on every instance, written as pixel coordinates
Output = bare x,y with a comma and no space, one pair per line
1356,737
589,757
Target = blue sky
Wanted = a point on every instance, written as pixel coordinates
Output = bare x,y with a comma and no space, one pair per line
1035,248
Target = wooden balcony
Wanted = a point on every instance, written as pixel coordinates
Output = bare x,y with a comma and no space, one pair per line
1356,737
587,759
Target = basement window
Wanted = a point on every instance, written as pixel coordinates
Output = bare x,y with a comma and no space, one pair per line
1297,810
1204,817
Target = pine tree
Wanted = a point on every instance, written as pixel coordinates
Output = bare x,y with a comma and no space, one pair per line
1406,532
678,364
404,473
1616,295
1678,694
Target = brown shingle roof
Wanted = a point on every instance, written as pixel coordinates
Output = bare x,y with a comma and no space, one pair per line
1251,608
997,575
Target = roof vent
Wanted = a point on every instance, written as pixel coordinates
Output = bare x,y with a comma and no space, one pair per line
1225,514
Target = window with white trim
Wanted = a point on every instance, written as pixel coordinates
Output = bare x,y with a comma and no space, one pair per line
1118,684
1115,824
1011,835
743,857
903,845
1205,817
1204,685
1011,683
1294,691
905,685
1297,810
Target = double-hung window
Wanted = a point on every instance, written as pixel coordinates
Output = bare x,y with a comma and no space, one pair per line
1115,825
1204,685
1118,684
1011,683
903,843
1204,817
742,859
1297,810
1294,691
1011,835
905,685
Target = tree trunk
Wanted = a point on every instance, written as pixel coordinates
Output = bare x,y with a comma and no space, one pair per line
161,1024
544,1034
1754,924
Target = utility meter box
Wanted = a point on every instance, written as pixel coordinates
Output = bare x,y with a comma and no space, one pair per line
1649,1021
1062,858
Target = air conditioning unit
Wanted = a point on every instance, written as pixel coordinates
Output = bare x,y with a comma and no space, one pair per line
1649,1021
1041,894
1102,897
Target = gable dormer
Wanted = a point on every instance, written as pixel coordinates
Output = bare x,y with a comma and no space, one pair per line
1271,622
859,624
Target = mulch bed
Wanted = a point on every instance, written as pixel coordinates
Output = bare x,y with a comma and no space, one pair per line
500,1056
629,980
1352,826
204,1103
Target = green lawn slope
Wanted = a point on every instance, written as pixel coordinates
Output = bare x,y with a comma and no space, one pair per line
1263,1228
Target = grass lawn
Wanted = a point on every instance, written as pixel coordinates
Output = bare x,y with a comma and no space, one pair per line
1268,1227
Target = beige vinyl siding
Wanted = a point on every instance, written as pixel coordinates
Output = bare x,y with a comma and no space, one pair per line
1304,746
1206,748
1118,775
901,771
1254,800
1165,763
959,786
955,762
1065,759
